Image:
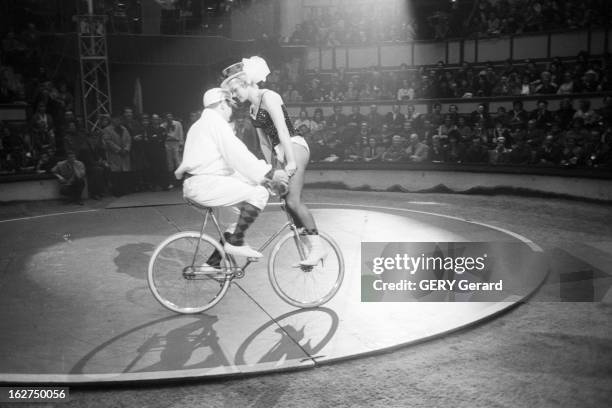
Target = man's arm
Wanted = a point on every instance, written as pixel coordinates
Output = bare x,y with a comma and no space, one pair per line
238,156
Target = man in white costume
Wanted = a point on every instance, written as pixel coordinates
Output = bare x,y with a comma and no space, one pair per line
223,172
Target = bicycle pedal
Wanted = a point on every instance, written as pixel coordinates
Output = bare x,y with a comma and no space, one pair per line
253,259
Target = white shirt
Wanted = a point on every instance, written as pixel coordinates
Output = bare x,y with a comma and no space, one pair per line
212,148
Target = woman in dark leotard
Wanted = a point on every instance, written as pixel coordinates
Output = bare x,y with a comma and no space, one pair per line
277,136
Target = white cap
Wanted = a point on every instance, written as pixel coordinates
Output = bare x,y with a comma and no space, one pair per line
215,95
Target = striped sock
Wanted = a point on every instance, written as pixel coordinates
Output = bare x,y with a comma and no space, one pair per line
248,214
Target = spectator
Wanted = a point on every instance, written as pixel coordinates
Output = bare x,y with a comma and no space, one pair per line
175,139
73,137
137,151
549,153
118,143
437,152
318,122
572,155
93,156
155,138
395,152
416,151
44,164
521,153
354,152
567,86
374,119
584,112
356,118
542,116
545,84
500,152
405,92
71,176
373,151
304,120
565,114
42,128
395,119
455,150
336,120
476,152
518,116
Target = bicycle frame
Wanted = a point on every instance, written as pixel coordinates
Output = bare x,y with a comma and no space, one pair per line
290,224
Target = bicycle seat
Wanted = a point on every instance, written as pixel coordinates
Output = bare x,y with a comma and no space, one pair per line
197,205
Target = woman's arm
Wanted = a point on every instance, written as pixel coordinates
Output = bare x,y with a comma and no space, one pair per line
272,102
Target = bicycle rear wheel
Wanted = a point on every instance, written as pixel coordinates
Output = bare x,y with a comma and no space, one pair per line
305,287
180,279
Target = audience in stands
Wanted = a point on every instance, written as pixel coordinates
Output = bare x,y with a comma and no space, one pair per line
329,27
543,137
134,153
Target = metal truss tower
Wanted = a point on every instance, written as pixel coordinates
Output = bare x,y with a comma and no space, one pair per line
93,58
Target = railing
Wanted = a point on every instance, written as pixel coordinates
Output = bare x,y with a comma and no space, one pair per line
13,112
456,51
465,105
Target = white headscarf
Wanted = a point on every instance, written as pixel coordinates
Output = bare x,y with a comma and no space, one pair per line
255,68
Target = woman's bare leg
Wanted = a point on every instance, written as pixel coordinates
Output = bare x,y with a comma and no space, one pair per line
298,209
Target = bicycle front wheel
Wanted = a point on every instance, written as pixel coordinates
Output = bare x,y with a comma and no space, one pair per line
305,287
179,276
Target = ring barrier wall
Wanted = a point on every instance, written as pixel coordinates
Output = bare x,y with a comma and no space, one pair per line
408,177
468,179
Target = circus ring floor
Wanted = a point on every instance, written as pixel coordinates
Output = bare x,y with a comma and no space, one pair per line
75,306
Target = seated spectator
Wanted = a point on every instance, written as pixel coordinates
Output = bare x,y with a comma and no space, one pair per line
42,128
395,119
589,82
500,152
481,115
405,92
455,150
545,84
304,120
374,119
584,112
518,116
572,155
355,118
352,92
567,86
395,152
291,94
337,119
447,127
549,153
44,164
476,152
500,130
71,176
416,151
373,151
354,152
437,152
318,122
542,116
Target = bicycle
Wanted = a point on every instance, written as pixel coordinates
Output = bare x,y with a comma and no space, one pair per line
182,281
